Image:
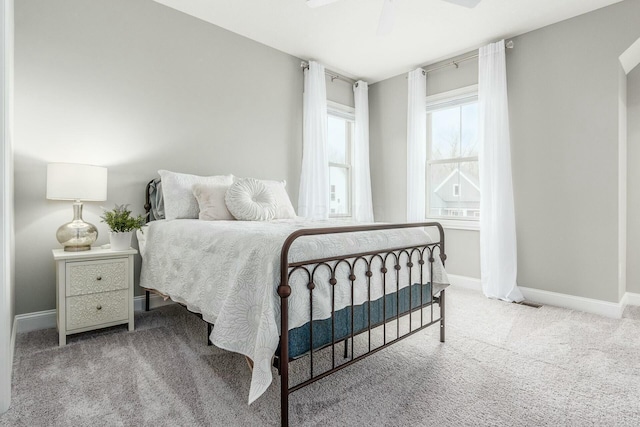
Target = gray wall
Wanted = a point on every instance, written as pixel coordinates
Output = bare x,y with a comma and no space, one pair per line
633,177
137,87
563,95
388,148
340,91
622,181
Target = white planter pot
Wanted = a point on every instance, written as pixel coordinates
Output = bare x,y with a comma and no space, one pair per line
120,241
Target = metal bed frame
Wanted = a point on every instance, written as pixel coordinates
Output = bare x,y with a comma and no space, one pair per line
387,262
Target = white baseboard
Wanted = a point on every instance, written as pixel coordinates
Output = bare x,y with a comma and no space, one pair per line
5,390
35,321
14,331
589,305
12,349
155,300
465,282
631,298
47,319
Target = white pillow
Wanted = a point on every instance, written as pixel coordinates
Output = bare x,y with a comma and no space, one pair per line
285,209
250,200
211,202
177,191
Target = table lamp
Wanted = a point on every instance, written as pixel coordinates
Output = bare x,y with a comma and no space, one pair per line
68,181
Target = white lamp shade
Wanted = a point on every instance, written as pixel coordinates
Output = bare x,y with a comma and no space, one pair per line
69,181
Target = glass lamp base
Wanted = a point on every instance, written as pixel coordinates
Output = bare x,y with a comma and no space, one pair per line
77,235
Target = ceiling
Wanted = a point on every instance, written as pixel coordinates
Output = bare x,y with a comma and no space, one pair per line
342,35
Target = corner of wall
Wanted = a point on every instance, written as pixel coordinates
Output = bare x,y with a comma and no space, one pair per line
7,281
622,182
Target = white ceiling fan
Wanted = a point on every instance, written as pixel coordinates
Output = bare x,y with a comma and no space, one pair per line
388,14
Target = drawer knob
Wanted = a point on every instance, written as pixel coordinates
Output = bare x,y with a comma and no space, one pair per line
99,278
99,307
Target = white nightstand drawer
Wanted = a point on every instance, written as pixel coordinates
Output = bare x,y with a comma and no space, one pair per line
88,277
94,290
95,309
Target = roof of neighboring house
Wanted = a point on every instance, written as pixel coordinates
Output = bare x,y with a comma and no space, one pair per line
471,181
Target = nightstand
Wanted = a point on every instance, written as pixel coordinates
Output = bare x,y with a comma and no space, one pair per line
94,290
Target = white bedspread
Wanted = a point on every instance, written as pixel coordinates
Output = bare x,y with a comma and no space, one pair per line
229,271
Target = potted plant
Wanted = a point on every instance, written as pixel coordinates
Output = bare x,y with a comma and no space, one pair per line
122,225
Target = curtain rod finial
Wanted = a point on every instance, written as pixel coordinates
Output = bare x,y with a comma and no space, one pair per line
509,44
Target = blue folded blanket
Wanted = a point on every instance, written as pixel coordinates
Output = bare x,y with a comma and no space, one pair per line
299,337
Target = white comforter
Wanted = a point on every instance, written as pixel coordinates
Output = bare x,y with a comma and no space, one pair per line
229,271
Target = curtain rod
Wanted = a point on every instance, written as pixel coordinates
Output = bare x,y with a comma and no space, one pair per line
456,63
332,74
335,76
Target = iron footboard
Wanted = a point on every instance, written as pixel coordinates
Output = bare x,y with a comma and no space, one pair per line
412,302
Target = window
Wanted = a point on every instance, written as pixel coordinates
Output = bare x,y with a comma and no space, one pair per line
340,135
453,184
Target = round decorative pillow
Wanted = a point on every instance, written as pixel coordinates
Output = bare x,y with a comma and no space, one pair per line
250,200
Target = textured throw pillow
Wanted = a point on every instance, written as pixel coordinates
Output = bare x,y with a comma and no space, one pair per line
177,191
211,202
285,209
250,200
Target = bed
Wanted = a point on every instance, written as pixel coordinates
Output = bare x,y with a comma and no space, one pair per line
342,292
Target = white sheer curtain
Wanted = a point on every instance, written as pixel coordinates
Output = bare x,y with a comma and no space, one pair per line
362,204
313,199
416,145
498,252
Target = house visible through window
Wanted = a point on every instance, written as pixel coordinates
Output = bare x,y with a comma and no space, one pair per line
453,186
340,134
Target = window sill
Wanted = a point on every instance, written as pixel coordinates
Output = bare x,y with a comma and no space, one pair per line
452,224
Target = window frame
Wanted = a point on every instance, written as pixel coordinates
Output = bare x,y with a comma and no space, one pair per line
452,98
347,114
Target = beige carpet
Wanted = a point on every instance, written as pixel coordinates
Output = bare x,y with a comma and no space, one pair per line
502,365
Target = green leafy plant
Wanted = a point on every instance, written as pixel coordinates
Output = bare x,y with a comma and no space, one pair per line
119,219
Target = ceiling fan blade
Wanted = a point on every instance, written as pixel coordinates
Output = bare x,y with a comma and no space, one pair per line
466,3
387,17
318,3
